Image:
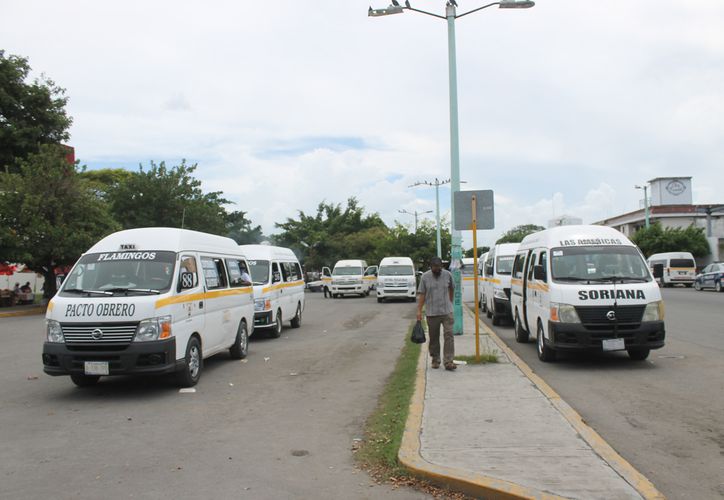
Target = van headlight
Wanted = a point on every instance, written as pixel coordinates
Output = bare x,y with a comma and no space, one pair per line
54,332
153,329
654,311
262,305
500,294
564,313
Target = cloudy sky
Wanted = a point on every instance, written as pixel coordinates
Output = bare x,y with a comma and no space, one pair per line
283,104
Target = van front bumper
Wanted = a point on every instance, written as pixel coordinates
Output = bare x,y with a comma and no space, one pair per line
650,334
391,293
134,358
264,320
342,289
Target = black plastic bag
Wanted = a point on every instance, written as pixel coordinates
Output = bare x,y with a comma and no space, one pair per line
418,334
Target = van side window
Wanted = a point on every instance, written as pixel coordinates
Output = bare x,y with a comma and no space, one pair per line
188,265
531,265
285,270
543,262
214,272
518,265
295,273
234,267
276,274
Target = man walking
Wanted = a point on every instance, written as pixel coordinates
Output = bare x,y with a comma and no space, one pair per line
436,292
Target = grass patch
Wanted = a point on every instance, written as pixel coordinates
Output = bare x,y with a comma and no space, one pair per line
384,428
485,357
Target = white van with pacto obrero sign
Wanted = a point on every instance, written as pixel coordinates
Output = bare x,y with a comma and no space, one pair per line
585,287
278,287
150,300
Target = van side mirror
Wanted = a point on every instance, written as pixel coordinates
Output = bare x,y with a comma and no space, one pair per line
187,281
539,273
658,271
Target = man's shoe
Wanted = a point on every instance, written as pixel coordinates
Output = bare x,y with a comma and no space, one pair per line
451,367
436,364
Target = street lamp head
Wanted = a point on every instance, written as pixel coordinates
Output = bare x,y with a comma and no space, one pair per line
392,9
515,4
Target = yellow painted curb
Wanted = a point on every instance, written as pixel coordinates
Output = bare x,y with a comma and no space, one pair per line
624,469
476,485
29,312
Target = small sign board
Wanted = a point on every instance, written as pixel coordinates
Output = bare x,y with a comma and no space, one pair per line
463,209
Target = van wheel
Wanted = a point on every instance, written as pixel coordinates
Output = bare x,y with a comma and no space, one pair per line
277,331
638,353
521,335
297,319
545,353
82,380
241,345
193,363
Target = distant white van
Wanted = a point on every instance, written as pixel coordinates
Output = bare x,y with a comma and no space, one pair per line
350,277
498,266
483,279
468,275
396,279
673,267
150,300
278,287
585,287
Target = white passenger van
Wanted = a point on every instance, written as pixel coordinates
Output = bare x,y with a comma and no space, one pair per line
673,267
483,279
396,279
150,300
278,287
349,278
585,287
467,279
498,267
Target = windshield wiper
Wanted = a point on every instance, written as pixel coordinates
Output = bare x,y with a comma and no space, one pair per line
571,278
79,291
134,290
621,279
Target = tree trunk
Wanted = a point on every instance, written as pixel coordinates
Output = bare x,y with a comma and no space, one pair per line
49,287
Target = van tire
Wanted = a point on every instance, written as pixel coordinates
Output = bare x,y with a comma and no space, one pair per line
193,364
296,321
545,353
82,380
277,330
638,353
697,286
521,336
240,348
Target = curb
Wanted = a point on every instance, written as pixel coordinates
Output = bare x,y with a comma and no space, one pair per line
29,312
604,450
476,485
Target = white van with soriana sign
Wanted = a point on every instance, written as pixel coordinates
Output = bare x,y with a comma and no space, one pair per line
150,300
278,287
585,287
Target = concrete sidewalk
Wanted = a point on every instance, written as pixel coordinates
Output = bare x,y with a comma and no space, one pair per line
499,431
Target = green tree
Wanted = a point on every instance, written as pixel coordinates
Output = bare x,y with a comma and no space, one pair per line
168,197
31,113
517,234
420,246
49,215
470,253
105,180
239,228
657,239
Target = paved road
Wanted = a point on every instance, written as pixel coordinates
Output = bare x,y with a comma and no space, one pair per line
665,415
141,438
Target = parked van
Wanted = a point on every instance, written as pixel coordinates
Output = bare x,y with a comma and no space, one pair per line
396,279
350,277
585,287
150,300
673,267
278,287
498,267
483,280
468,275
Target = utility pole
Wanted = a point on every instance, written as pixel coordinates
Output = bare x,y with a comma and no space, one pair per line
416,214
645,187
436,184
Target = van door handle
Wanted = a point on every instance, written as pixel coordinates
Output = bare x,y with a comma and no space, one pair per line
201,304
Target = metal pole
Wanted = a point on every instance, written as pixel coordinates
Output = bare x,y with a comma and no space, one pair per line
477,284
646,205
437,216
415,221
456,250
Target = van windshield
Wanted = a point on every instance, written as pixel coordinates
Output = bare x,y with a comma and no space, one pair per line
259,270
682,263
504,264
396,271
121,273
347,271
598,264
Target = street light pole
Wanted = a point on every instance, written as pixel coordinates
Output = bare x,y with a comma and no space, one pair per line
646,204
416,214
436,185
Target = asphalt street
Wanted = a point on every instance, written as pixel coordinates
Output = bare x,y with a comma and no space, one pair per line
280,425
664,415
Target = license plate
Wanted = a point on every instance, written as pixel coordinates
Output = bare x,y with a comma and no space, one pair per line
614,345
96,367
682,272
